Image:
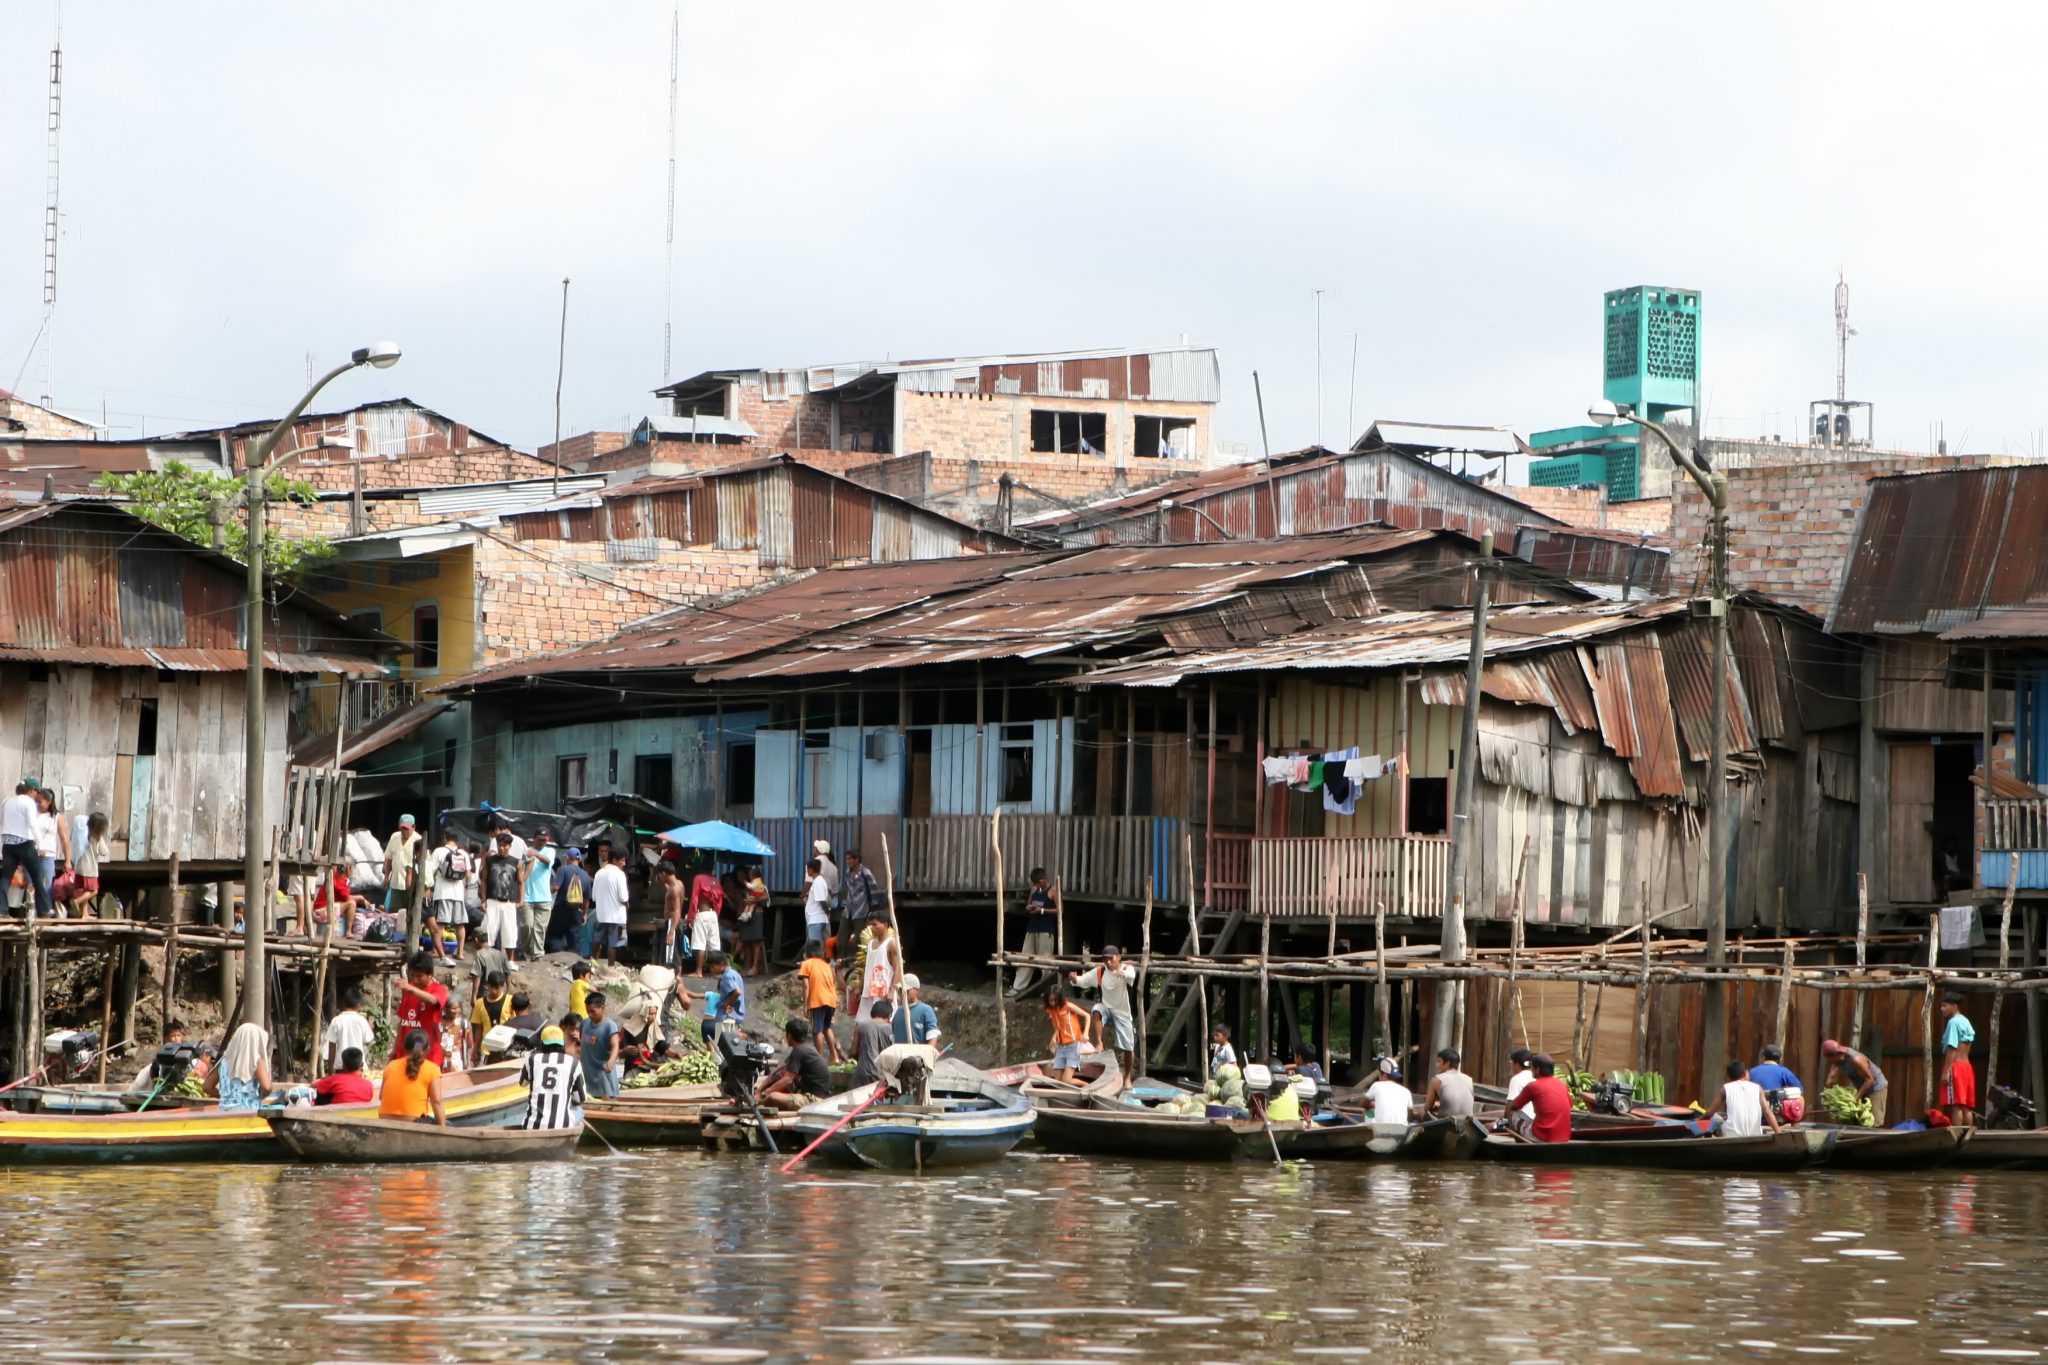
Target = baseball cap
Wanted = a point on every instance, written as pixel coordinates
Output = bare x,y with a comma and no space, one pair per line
32,784
551,1036
910,981
407,820
821,846
572,852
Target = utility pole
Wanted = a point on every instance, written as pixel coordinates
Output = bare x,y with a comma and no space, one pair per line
561,363
1442,1033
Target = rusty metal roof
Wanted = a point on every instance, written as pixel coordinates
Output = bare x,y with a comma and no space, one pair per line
91,582
1949,553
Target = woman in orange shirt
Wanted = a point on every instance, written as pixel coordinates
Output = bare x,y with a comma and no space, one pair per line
412,1085
1069,1027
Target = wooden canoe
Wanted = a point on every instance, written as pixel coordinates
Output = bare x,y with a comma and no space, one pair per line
1450,1139
1888,1149
2004,1149
1789,1150
1137,1132
489,1095
971,1119
323,1135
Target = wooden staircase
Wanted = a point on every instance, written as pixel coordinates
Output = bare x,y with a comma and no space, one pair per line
1174,1006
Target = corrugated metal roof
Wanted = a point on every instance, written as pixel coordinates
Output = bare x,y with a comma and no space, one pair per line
1944,552
698,425
1441,436
1180,374
499,499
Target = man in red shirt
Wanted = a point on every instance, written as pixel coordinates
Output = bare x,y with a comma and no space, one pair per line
1550,1100
422,1001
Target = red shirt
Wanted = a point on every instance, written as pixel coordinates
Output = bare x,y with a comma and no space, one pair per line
706,892
342,894
415,1013
1552,1103
344,1087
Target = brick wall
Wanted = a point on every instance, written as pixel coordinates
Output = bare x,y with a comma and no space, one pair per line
426,469
1789,526
23,418
535,596
998,426
573,451
967,488
674,456
1589,508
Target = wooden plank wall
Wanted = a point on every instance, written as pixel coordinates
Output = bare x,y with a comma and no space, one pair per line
80,727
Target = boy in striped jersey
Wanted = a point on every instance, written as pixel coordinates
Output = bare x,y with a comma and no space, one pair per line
554,1084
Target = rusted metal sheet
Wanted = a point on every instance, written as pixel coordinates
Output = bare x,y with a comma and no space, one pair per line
1936,552
809,544
152,586
1634,701
1568,690
853,524
890,538
739,514
668,516
627,519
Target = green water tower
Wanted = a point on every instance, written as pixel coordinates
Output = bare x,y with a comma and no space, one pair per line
1652,345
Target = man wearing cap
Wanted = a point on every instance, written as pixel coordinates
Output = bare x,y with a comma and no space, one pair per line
1388,1099
1849,1067
401,864
1547,1097
1958,1076
1115,981
572,906
1518,1081
919,1023
554,1084
18,842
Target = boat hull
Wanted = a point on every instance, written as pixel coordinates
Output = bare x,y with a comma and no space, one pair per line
208,1135
1887,1149
1453,1139
972,1119
1791,1150
310,1135
2004,1149
1138,1133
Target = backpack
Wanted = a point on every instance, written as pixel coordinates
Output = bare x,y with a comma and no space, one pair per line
457,862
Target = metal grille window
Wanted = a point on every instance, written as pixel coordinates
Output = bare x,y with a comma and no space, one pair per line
410,570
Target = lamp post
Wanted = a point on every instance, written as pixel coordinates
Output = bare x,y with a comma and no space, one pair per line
255,902
1714,486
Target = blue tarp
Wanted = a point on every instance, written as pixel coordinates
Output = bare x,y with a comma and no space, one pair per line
718,836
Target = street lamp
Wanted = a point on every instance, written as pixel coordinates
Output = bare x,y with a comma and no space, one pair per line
257,460
1714,485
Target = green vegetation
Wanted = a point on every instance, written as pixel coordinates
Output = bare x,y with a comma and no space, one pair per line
180,499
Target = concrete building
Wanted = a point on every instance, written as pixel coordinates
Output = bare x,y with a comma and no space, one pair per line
19,417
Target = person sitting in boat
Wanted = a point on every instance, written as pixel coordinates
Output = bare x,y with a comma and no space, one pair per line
346,1086
412,1084
243,1076
1548,1099
554,1083
1780,1086
871,1037
1520,1059
1387,1099
1450,1090
1221,1053
1740,1107
803,1078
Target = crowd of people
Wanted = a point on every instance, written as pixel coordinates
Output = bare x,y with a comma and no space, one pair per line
50,859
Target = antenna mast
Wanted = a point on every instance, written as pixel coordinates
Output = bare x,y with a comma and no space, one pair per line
50,217
1843,331
669,308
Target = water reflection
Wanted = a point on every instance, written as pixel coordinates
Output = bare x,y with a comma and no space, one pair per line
688,1257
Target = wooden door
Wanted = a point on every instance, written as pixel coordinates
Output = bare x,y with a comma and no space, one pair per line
1912,823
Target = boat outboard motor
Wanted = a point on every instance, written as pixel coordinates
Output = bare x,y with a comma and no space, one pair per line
173,1060
69,1053
2010,1109
1611,1097
741,1064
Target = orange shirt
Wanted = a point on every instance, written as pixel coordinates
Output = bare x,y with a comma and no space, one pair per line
1069,1025
406,1097
820,990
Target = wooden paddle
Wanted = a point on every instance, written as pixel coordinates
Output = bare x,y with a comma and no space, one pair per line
881,1089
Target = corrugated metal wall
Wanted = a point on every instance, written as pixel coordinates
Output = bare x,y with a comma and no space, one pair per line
1306,715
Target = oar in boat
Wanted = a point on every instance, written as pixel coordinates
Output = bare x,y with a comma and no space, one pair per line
881,1089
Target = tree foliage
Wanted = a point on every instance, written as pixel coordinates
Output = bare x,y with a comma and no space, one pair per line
180,499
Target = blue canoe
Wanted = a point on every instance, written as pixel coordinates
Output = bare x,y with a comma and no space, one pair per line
971,1119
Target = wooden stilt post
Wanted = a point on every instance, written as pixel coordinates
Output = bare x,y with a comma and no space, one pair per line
1511,1000
1002,1001
1328,990
169,1002
1862,944
1927,1007
1380,1000
106,1010
1780,1034
1643,988
1265,989
36,966
1579,1025
224,915
2012,878
1142,1006
2033,1050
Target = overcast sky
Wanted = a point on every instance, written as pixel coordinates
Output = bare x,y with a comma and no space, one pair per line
245,185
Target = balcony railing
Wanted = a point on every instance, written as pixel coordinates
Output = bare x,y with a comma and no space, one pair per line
2015,826
1310,878
1104,857
371,699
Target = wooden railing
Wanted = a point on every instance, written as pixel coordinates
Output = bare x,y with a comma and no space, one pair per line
1307,878
791,837
2016,824
1105,857
1229,876
315,814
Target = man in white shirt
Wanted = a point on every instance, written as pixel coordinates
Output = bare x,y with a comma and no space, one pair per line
1741,1106
1113,1012
1519,1081
349,1029
610,895
1387,1099
450,870
401,854
817,905
18,842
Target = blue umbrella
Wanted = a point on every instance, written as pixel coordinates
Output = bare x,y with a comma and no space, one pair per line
720,837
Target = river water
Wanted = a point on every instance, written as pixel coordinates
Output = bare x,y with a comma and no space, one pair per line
686,1256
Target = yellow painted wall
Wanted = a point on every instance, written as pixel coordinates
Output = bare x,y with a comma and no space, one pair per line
452,588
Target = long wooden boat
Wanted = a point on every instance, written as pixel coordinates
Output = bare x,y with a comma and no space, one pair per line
971,1119
485,1097
627,1125
2004,1149
1889,1149
1448,1139
1036,1082
1133,1131
327,1136
69,1099
1789,1150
